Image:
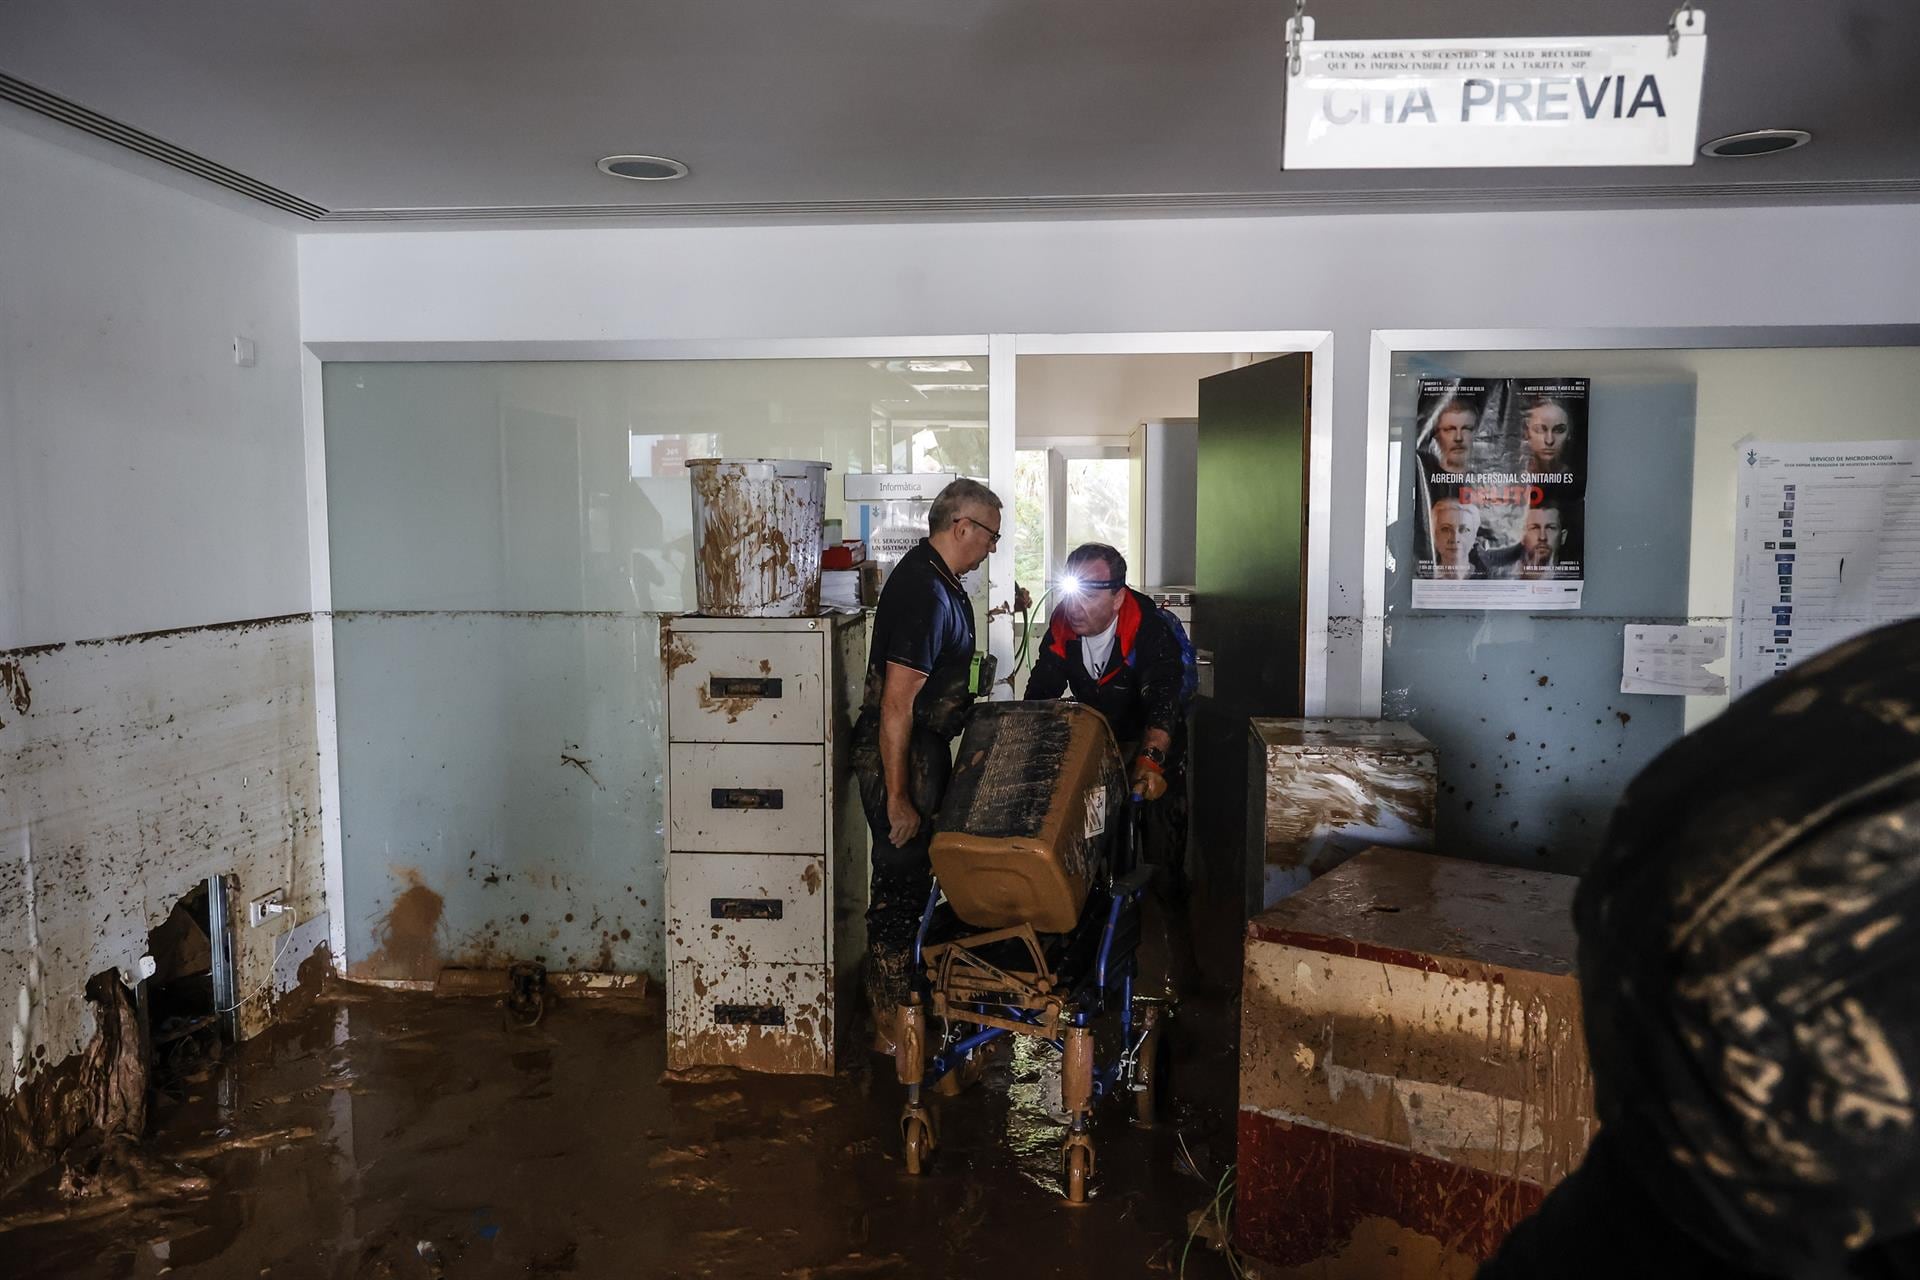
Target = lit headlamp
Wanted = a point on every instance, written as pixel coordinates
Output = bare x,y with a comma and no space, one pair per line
1072,584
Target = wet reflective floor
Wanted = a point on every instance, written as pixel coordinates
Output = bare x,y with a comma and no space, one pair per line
383,1135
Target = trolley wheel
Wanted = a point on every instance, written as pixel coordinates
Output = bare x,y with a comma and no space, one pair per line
1151,1070
917,1141
1077,1159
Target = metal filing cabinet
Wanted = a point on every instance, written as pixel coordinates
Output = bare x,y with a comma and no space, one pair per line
766,842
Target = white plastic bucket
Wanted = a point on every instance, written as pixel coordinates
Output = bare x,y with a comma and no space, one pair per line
756,536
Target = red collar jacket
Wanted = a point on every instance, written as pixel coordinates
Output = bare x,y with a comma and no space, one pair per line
1140,687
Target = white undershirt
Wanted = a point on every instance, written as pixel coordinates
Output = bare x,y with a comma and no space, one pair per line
1095,650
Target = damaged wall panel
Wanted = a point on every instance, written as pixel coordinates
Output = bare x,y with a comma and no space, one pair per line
501,777
130,770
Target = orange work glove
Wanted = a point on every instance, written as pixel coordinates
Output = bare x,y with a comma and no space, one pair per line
1149,779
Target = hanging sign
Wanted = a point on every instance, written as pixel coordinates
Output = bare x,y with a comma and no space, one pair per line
1473,104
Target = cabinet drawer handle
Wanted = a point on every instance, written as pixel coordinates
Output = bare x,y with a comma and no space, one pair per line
743,686
749,798
750,1015
747,908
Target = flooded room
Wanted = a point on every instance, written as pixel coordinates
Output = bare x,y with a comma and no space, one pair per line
841,642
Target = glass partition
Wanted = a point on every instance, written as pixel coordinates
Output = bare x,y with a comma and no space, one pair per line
1536,740
504,538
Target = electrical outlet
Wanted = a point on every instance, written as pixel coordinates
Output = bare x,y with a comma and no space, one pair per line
266,907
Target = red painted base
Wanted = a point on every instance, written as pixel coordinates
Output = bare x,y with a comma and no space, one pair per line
1301,1191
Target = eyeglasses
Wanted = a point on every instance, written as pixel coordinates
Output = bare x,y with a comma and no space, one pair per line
993,535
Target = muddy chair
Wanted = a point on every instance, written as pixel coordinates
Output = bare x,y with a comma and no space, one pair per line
1033,925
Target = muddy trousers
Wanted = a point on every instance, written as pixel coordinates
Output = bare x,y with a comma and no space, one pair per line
902,874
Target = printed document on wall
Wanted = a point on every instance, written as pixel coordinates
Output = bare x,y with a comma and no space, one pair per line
1826,546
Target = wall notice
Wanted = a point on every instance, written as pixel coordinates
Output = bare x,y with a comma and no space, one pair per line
1672,661
1501,482
1826,546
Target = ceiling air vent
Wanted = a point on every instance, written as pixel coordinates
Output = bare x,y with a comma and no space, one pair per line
55,107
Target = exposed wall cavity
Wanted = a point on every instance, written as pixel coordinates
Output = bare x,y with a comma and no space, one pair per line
130,770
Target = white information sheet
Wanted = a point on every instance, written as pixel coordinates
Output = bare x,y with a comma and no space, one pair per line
1826,546
1673,660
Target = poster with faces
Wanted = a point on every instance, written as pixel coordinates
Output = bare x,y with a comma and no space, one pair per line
1500,484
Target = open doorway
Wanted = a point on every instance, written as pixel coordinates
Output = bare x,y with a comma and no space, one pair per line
1194,465
1093,435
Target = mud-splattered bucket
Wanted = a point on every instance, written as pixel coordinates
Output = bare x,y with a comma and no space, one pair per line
756,534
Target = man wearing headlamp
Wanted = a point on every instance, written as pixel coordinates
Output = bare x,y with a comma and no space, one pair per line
1118,652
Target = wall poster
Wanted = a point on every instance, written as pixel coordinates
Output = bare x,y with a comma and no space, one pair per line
1500,493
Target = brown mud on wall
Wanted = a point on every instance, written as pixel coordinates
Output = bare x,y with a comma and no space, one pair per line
408,933
99,1095
143,764
15,692
101,1090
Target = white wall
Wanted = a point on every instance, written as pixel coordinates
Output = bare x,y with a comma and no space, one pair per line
146,484
148,481
1106,396
1349,274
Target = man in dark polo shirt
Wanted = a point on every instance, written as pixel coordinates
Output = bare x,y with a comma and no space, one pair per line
920,683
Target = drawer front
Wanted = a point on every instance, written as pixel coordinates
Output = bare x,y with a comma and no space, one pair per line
775,1018
728,797
747,908
746,686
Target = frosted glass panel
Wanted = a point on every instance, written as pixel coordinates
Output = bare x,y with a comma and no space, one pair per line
500,791
503,538
541,486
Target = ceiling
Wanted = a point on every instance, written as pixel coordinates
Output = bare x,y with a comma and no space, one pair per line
371,110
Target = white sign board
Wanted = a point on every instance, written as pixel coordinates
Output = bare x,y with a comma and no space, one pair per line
882,486
1475,104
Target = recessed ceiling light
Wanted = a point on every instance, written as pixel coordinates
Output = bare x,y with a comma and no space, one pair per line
1757,142
643,168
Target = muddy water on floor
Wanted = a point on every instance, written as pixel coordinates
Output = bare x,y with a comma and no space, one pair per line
402,1136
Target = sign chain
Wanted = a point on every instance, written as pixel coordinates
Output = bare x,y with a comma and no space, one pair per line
1674,24
1296,35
